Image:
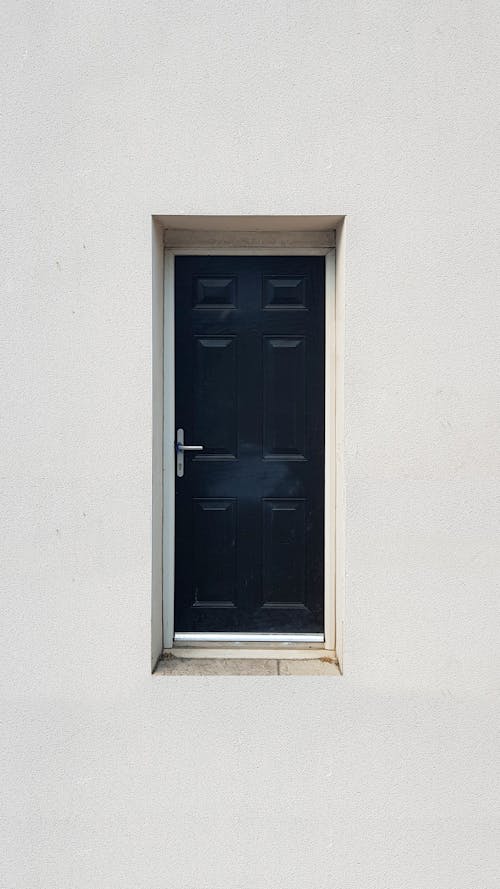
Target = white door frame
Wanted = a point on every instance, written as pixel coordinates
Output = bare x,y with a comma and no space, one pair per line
333,558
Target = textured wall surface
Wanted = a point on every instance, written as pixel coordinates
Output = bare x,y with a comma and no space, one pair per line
383,111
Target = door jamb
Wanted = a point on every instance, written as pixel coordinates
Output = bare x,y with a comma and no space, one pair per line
334,485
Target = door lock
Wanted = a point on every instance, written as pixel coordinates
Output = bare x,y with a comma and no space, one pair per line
180,447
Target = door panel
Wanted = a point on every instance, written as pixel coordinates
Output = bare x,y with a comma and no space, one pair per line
215,396
214,293
214,544
250,389
284,292
284,388
284,563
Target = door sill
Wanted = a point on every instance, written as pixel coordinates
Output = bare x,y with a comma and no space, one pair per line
209,639
312,651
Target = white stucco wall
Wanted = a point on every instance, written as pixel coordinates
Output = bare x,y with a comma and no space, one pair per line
382,111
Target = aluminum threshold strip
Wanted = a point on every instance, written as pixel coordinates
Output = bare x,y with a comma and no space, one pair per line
249,637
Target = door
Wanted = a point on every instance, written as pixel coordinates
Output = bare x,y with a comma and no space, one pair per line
249,533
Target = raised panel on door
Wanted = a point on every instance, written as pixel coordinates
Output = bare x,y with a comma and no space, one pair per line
282,292
284,562
215,396
284,389
214,292
214,546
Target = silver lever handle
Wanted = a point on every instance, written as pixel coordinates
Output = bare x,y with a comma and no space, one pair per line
180,447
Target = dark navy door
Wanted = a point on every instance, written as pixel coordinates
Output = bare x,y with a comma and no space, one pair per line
250,350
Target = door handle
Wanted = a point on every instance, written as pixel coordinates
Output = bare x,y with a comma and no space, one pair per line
180,447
